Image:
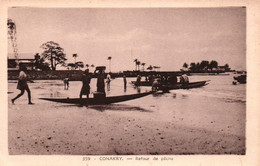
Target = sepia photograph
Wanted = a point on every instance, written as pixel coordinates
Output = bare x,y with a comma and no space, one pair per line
127,81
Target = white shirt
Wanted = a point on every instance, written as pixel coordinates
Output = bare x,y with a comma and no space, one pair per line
22,75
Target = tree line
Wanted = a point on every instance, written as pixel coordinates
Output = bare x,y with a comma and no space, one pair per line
150,67
53,55
205,66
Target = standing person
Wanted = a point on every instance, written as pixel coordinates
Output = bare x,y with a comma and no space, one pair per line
22,85
85,89
138,80
125,82
108,81
138,83
66,82
101,82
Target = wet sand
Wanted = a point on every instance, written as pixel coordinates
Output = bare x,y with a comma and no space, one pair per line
137,127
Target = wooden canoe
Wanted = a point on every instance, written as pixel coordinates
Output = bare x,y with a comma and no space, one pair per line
176,86
180,86
98,101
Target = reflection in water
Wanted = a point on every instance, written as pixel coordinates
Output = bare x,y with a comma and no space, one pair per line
56,94
184,96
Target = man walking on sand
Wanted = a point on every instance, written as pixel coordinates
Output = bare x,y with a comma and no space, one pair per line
22,85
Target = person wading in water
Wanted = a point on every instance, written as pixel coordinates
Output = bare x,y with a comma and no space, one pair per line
85,90
125,82
108,81
66,82
22,85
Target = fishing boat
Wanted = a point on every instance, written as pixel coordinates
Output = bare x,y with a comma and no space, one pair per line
198,84
177,85
99,101
241,79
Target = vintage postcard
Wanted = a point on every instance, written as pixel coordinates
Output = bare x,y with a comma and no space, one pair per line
99,83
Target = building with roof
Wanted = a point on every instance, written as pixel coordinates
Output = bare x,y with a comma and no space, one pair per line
26,60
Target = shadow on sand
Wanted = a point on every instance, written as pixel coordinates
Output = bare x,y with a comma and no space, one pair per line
111,107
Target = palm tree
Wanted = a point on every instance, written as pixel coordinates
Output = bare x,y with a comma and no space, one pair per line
75,56
136,60
109,58
143,64
138,64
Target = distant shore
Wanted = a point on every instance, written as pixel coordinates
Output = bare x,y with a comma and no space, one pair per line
75,75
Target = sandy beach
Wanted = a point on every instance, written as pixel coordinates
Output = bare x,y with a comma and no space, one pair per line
157,124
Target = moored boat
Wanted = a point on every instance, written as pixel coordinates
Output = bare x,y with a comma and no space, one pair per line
181,86
241,79
99,101
175,86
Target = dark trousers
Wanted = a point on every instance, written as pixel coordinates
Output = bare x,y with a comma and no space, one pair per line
22,92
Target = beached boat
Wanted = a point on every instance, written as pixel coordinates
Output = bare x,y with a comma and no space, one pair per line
175,86
180,86
241,79
99,101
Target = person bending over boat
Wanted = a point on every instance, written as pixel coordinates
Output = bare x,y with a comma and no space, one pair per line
184,80
155,84
22,85
85,90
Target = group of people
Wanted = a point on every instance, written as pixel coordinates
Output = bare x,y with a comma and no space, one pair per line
86,79
157,80
85,89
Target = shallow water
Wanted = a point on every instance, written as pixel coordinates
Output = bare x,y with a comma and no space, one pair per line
219,91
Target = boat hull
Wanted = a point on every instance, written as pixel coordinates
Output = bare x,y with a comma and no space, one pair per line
99,101
241,79
180,86
176,86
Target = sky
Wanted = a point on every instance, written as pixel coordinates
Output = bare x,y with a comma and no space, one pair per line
165,37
